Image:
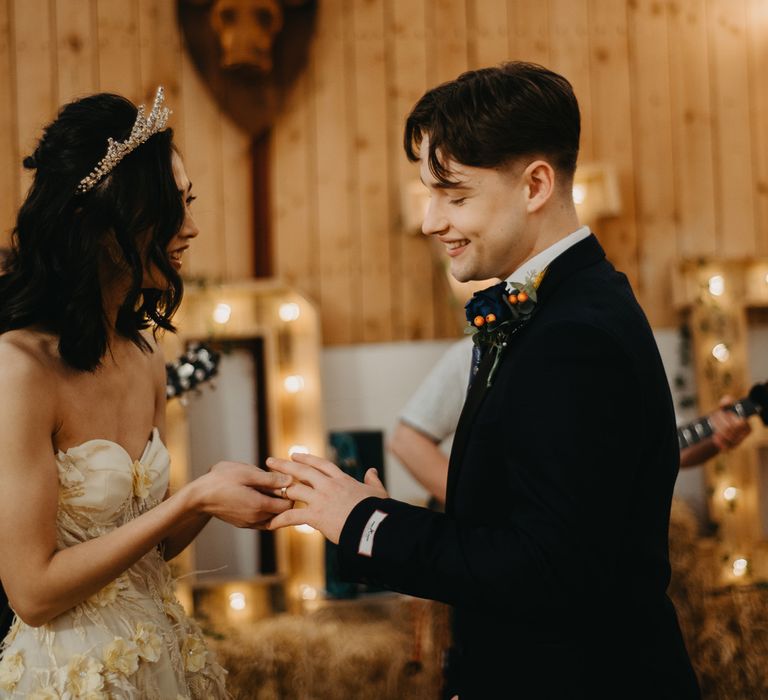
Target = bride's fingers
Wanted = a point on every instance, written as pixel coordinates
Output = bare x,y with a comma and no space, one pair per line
299,472
296,492
322,465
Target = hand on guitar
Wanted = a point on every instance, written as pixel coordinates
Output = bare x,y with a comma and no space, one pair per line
730,429
720,431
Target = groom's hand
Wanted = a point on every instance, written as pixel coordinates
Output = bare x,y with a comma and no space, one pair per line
238,494
330,493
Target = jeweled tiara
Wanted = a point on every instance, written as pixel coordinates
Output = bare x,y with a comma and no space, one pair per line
143,128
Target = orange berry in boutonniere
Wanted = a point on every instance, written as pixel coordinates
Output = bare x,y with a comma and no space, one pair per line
479,321
490,318
512,298
522,297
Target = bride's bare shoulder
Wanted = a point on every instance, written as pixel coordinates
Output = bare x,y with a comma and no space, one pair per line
28,355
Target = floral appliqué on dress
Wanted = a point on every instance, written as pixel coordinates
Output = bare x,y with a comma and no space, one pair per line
132,639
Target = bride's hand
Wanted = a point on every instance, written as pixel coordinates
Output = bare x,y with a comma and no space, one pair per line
233,492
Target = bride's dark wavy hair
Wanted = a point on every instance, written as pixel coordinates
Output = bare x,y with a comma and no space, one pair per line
61,238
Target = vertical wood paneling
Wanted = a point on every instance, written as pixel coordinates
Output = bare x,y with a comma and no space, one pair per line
373,216
447,58
757,22
613,128
652,128
733,138
9,181
294,227
488,37
446,40
528,31
159,51
337,251
235,213
692,128
413,296
34,63
569,56
76,51
202,160
683,118
119,62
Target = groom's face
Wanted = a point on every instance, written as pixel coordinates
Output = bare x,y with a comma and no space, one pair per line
481,220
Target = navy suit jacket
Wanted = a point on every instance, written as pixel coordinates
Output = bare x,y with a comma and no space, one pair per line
553,547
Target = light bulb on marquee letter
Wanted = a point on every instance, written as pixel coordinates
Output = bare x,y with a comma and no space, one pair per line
289,311
721,352
740,566
293,383
730,493
716,285
222,313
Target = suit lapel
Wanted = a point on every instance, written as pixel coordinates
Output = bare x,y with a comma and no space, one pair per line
474,399
586,252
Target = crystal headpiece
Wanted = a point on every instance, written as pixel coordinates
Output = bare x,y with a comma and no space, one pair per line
143,128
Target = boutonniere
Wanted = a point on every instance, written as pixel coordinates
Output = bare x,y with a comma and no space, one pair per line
495,314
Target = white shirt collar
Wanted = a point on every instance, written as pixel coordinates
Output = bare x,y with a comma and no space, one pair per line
541,260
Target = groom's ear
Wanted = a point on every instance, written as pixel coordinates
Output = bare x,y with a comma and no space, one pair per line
539,181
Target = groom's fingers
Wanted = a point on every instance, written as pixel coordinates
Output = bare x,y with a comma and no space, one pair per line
290,517
299,472
372,478
322,465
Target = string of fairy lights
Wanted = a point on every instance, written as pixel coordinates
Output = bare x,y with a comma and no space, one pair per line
289,325
721,293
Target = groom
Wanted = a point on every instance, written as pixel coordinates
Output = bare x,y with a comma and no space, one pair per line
553,547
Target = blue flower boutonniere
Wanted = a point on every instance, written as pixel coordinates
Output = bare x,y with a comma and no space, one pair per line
495,314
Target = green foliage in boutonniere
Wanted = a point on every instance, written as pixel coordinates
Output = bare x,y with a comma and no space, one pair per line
495,314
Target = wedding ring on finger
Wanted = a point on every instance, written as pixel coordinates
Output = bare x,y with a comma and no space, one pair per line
284,493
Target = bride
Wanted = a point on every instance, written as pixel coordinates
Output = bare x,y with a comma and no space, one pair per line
86,519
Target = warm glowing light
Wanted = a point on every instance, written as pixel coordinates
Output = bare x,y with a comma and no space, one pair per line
237,600
293,383
579,194
308,592
740,566
289,312
766,279
298,449
721,352
730,493
306,529
222,313
716,285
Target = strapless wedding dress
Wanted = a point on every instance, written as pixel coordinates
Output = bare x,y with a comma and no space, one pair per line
132,639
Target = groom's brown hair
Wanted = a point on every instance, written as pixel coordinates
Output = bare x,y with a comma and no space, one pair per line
490,117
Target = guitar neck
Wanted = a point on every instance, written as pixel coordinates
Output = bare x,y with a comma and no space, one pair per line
701,429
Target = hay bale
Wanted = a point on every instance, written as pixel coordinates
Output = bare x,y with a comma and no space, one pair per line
324,656
725,629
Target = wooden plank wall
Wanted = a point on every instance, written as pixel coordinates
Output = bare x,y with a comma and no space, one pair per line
672,94
52,51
